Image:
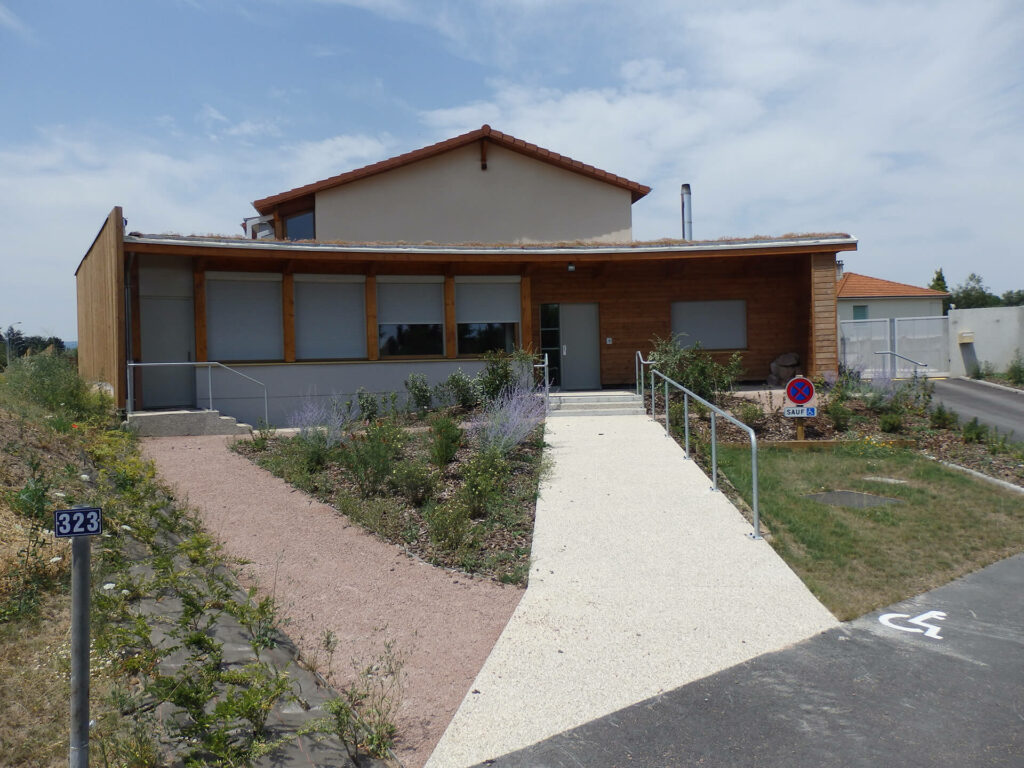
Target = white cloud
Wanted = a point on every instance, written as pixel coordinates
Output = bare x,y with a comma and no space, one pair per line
13,23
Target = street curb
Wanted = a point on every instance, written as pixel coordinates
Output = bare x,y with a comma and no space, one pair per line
980,475
992,384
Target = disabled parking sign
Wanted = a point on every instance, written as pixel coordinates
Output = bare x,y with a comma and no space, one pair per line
801,401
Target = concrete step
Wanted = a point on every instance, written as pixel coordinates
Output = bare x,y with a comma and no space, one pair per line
594,397
562,413
185,422
607,403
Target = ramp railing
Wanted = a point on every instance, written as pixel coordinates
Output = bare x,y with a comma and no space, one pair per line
209,365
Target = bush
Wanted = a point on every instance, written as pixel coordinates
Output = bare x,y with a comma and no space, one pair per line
749,413
1015,371
695,368
465,391
50,381
448,524
509,419
839,415
445,440
503,372
419,391
484,478
414,480
890,422
975,432
370,456
369,407
942,418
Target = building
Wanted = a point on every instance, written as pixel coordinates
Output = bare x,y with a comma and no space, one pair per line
421,263
860,297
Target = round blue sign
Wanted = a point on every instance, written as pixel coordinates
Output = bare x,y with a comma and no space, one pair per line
800,390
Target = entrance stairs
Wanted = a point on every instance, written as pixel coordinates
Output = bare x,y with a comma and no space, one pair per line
185,422
620,402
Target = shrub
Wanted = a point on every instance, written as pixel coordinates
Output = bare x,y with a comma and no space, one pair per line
448,524
975,432
419,391
370,456
464,391
890,422
369,407
445,440
749,413
839,415
509,419
1015,371
942,418
414,480
484,478
50,381
695,368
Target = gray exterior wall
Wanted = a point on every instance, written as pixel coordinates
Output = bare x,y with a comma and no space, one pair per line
449,199
290,385
998,335
902,307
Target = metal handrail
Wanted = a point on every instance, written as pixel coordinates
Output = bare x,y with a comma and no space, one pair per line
209,382
547,382
687,394
639,364
902,357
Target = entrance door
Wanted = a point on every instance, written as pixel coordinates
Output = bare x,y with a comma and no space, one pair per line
168,331
581,346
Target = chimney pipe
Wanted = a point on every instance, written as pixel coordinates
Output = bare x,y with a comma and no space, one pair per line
687,213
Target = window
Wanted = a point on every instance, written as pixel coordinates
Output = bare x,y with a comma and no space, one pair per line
715,324
860,311
330,316
243,316
410,315
486,314
301,226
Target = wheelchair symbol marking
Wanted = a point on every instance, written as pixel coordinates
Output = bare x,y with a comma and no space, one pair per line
920,621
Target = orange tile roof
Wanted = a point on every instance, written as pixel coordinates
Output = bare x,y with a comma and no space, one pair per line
854,286
637,190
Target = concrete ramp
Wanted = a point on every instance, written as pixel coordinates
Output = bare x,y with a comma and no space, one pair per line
643,579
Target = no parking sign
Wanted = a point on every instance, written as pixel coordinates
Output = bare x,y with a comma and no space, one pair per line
801,399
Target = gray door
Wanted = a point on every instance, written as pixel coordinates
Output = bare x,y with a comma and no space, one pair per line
581,346
168,331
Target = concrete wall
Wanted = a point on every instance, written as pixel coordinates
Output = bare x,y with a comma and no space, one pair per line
881,308
449,199
998,335
290,385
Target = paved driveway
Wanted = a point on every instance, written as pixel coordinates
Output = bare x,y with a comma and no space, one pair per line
997,407
945,691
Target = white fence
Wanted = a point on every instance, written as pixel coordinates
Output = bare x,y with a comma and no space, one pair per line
923,340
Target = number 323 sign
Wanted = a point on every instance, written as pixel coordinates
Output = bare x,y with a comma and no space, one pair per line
86,521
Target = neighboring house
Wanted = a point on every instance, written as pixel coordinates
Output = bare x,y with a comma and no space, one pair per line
425,261
860,297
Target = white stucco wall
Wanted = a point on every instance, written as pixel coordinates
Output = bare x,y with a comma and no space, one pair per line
449,199
998,334
880,308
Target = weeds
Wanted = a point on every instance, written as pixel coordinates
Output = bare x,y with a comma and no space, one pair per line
974,432
1015,371
942,418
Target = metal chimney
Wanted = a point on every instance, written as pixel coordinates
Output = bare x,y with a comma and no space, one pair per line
687,213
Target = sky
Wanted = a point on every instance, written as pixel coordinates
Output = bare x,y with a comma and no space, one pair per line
901,123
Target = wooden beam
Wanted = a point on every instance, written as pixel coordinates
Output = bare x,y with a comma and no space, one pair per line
372,345
288,315
199,306
278,225
525,313
133,276
451,342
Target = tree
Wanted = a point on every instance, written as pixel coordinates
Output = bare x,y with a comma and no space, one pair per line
938,283
1013,299
973,293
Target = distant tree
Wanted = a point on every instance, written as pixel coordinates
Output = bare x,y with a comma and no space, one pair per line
938,283
972,293
1013,299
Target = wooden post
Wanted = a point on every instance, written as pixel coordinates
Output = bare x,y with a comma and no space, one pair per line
288,315
199,307
799,429
525,313
136,373
451,343
372,345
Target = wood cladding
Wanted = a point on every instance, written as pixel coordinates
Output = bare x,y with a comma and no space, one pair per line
635,306
99,284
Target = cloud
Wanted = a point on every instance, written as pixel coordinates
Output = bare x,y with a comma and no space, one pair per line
13,23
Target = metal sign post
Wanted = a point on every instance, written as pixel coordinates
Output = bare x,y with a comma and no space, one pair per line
79,524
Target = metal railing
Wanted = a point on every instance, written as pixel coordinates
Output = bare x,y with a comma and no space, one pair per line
547,382
210,365
640,374
901,357
715,410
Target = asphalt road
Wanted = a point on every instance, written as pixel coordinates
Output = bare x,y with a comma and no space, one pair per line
993,406
937,680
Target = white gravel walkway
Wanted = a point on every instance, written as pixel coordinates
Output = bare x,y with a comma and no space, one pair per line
643,580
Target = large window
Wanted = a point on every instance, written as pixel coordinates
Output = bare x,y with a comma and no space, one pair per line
410,315
486,314
330,317
715,324
243,316
301,226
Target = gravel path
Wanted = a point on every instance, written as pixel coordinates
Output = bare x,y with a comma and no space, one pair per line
328,574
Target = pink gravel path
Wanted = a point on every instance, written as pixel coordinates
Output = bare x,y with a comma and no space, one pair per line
328,574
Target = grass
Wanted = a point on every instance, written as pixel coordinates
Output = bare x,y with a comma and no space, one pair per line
856,560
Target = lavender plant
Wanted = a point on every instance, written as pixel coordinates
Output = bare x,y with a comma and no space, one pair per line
509,419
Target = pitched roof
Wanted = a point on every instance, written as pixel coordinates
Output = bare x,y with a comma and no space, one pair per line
485,132
854,286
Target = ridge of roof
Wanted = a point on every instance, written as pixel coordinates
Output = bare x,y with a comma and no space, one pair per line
508,141
856,286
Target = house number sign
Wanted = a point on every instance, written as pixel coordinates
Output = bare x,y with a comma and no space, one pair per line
85,521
